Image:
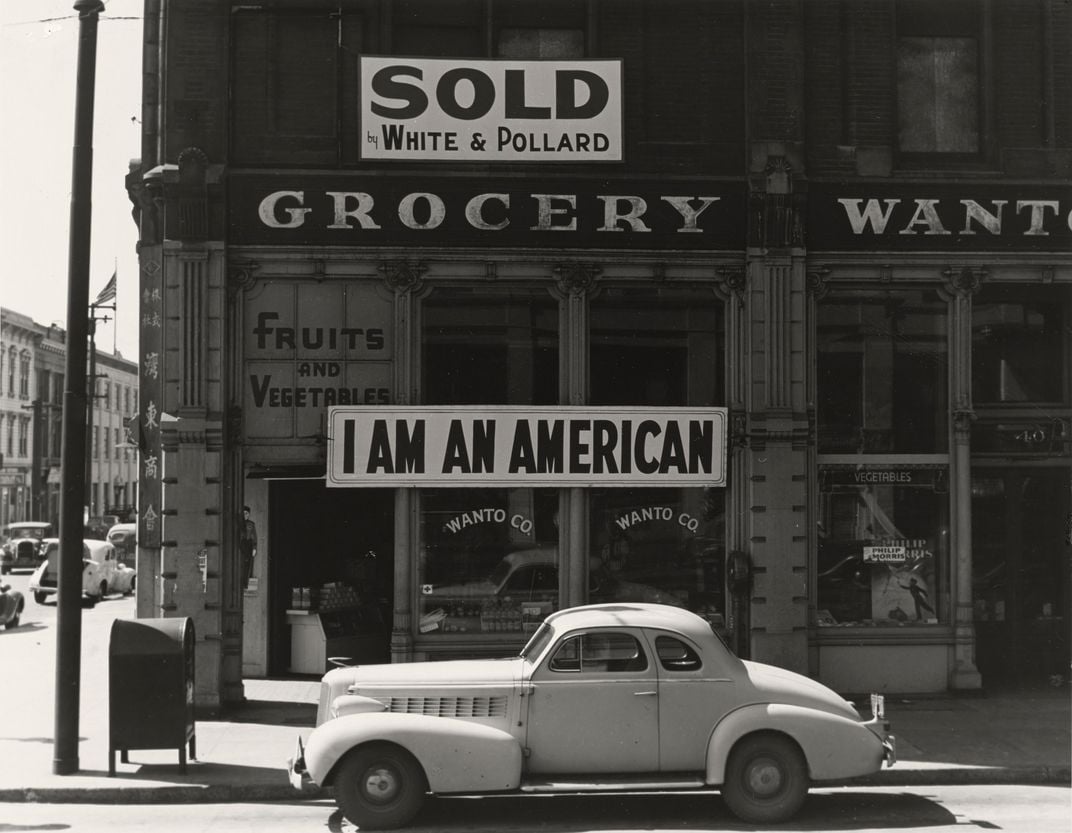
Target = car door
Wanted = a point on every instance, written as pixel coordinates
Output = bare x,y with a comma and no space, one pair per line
593,706
693,696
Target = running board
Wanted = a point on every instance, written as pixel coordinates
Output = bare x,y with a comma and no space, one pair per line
639,784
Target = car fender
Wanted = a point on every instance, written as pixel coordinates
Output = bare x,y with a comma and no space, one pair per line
457,756
835,746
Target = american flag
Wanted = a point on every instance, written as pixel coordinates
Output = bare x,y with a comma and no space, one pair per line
108,293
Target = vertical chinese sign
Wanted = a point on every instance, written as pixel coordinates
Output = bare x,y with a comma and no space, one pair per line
150,389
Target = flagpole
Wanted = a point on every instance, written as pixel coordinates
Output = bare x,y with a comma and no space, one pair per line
115,317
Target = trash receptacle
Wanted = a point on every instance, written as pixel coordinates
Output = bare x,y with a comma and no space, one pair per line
151,687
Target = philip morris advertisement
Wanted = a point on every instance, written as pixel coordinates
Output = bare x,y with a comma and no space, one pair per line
490,111
455,447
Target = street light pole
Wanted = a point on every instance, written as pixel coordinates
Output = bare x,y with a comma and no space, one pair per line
73,474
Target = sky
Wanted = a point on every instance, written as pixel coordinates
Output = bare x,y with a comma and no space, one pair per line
38,64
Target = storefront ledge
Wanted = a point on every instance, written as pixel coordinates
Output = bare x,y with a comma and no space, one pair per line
883,635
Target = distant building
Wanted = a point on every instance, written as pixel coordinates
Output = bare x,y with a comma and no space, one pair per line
32,383
19,337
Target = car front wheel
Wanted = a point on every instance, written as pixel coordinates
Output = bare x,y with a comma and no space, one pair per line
766,779
380,787
40,597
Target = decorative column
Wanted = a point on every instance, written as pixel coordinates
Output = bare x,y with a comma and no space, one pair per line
777,429
192,417
962,284
405,279
574,282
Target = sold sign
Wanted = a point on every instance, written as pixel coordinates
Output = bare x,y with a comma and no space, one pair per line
486,111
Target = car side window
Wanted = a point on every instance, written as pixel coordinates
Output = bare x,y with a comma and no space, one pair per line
675,655
610,652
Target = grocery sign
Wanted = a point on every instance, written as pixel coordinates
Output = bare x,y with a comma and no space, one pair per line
552,446
490,111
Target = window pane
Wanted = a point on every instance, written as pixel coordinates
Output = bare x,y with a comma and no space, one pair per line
882,546
488,560
284,75
656,347
1018,347
659,545
937,91
882,373
482,349
541,43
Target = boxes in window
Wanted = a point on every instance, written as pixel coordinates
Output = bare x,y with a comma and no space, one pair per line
533,614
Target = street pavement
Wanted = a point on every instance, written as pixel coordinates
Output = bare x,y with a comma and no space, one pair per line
1004,737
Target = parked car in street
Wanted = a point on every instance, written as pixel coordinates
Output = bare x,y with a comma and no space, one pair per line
603,697
23,548
124,537
101,572
11,606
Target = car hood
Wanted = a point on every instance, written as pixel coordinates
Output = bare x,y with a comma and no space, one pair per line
777,685
458,672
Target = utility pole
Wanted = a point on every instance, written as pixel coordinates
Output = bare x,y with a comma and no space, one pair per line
73,473
91,393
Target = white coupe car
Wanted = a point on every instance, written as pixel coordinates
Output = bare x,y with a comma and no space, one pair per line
612,696
102,572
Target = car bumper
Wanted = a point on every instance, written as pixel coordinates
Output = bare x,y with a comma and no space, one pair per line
297,774
880,728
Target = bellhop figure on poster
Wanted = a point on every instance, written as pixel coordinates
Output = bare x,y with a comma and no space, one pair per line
247,543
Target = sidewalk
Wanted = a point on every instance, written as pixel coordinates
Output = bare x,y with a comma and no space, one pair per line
1008,737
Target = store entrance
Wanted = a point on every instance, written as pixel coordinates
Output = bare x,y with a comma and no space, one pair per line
331,575
1020,569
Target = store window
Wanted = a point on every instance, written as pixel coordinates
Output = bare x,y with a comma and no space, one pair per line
658,347
938,74
883,370
665,546
1019,347
883,543
482,348
488,561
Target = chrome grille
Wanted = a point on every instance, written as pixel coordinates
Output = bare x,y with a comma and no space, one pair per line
466,707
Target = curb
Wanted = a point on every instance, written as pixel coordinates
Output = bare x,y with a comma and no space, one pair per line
231,794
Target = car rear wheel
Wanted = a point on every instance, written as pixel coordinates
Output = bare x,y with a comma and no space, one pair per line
766,779
380,787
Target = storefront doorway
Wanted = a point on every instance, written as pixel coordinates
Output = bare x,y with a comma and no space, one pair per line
330,575
1021,575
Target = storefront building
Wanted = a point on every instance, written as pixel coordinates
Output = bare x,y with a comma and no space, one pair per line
476,335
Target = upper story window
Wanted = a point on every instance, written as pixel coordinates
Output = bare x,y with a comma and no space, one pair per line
285,86
883,369
12,358
938,77
295,84
24,375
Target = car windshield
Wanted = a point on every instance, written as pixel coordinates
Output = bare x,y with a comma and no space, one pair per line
538,642
27,532
499,574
